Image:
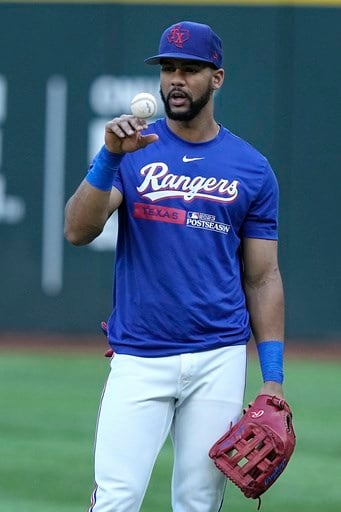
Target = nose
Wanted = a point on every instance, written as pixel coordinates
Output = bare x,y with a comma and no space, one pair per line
178,77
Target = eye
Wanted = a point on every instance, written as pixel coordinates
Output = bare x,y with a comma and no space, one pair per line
167,68
192,69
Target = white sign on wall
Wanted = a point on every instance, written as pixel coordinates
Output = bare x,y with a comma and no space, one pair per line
12,208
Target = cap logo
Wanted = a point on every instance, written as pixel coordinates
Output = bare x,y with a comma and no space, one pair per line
177,36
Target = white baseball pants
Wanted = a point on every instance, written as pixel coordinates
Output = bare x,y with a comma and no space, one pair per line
194,397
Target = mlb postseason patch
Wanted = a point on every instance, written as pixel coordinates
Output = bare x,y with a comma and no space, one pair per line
205,221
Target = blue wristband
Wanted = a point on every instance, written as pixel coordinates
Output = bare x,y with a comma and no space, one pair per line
270,355
103,168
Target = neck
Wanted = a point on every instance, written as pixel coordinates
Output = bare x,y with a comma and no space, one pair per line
197,130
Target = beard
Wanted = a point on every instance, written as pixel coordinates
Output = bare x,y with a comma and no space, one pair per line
194,108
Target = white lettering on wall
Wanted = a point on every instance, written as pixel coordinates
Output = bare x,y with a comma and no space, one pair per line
12,208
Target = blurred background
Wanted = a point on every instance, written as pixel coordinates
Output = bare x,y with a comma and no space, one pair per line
68,67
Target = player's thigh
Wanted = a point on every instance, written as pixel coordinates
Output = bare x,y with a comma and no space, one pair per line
214,397
134,420
214,401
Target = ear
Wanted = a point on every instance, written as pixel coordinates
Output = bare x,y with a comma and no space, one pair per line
218,78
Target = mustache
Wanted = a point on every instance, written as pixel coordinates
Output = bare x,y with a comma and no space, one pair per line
177,93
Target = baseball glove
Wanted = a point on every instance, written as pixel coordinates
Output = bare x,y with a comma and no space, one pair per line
255,451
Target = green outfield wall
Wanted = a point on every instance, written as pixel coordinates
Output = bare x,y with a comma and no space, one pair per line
68,67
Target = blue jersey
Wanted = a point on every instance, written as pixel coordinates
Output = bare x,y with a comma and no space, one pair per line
178,273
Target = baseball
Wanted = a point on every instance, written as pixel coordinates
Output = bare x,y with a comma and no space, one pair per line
143,105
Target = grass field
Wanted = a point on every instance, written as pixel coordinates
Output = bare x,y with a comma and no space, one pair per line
48,405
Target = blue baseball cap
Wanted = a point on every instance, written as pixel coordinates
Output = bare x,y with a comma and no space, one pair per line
189,40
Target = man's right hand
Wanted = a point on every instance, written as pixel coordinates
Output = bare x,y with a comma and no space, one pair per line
123,134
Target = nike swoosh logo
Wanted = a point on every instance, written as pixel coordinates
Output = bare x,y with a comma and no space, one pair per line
192,159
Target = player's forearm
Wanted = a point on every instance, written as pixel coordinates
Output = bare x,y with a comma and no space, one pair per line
266,306
265,301
86,213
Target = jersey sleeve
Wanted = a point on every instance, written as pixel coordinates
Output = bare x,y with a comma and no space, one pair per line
262,218
117,181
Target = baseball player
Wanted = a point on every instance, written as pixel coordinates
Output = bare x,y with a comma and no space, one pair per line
196,272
